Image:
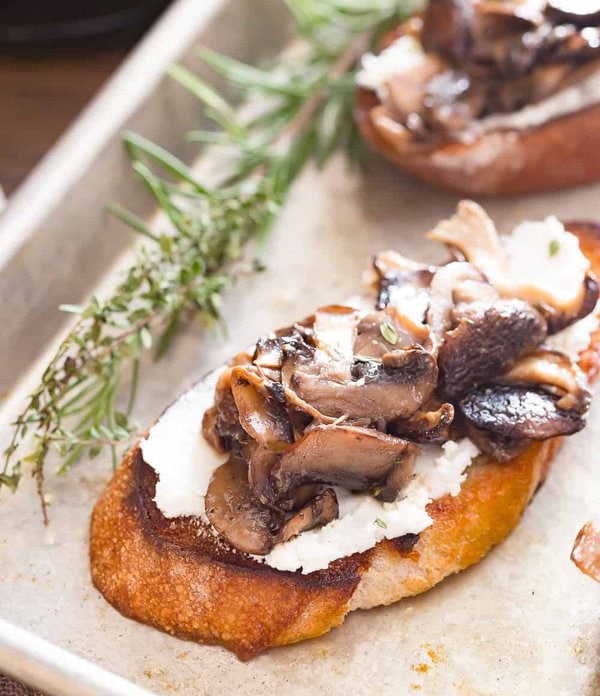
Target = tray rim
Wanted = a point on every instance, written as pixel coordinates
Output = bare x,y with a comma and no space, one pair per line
36,661
23,655
106,113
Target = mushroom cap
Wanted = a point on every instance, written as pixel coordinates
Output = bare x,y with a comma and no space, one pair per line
488,340
519,412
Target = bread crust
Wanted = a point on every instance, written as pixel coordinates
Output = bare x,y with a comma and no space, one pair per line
177,576
562,153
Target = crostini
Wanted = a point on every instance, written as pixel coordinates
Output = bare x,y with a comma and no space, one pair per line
363,454
486,97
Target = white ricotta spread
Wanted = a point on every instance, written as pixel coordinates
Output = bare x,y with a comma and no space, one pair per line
375,70
182,458
544,256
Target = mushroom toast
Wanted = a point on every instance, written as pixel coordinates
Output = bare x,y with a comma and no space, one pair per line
489,96
363,454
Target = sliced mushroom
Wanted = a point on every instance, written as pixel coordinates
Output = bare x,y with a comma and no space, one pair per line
558,320
399,475
519,412
321,510
392,388
221,423
498,447
344,455
268,356
260,413
425,425
453,283
553,372
234,513
210,430
472,232
393,275
261,461
487,341
268,353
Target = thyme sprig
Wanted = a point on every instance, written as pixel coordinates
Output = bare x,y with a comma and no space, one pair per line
305,114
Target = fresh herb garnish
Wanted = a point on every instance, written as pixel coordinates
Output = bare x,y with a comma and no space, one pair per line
389,332
553,247
181,273
380,523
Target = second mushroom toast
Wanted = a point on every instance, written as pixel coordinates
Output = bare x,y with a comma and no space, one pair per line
364,453
487,96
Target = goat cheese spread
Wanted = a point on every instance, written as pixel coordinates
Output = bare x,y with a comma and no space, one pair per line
176,449
544,255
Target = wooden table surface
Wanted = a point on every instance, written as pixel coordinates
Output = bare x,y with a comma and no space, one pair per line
39,98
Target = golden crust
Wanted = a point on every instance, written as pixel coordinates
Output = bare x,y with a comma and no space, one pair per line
177,576
562,153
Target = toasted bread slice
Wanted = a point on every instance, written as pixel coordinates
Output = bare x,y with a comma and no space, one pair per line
178,576
562,153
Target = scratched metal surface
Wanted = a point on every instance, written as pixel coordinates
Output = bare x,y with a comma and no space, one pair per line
524,621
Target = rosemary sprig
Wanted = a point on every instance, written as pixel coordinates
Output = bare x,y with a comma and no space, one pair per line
305,114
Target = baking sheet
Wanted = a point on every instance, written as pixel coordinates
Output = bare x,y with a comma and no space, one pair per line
524,621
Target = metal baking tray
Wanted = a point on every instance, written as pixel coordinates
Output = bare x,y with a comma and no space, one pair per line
524,621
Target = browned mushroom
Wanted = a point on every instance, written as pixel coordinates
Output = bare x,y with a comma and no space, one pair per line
558,320
425,425
260,414
334,333
268,356
321,510
500,448
519,412
392,273
399,475
555,373
344,455
261,461
234,513
446,28
487,341
221,423
454,283
385,390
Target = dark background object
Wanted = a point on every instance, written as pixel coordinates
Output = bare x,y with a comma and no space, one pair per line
26,24
54,56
